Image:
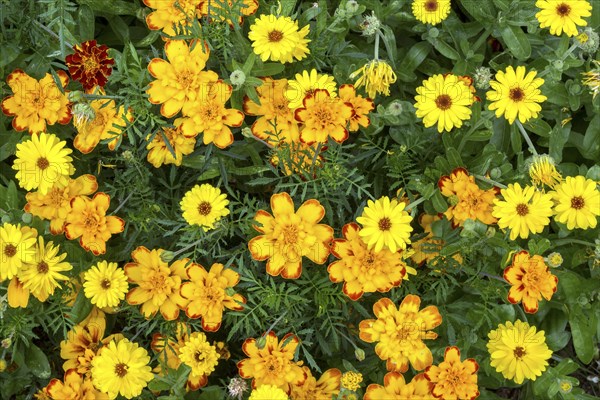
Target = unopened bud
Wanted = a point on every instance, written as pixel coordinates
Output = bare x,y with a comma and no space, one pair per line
261,342
237,77
359,354
167,256
76,96
26,218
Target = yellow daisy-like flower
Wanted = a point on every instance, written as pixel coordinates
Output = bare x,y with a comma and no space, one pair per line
278,39
122,368
523,210
399,333
454,379
105,284
160,154
42,274
73,386
396,388
305,84
592,79
170,13
563,15
199,355
42,162
518,352
431,11
351,380
444,100
326,387
108,123
577,202
204,205
386,225
17,247
515,94
268,392
360,106
376,76
542,171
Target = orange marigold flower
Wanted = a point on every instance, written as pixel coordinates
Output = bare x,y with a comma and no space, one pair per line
289,235
530,279
108,124
400,332
323,115
168,14
158,283
208,294
90,64
273,363
428,248
18,295
327,387
74,386
36,103
88,222
56,204
160,154
360,105
395,388
454,379
243,8
362,270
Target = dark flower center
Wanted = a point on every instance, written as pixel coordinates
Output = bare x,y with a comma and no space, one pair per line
519,352
522,209
516,94
563,10
121,370
577,203
431,6
10,250
275,36
443,102
42,163
105,284
198,356
385,224
204,208
42,267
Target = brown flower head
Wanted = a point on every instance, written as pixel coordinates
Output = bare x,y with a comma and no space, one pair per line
90,64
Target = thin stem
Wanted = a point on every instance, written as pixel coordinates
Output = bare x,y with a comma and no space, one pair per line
492,276
376,55
560,242
414,204
490,181
122,204
526,136
51,32
102,96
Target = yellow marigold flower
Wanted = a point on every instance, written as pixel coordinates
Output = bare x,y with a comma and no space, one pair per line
199,355
17,247
121,368
323,116
278,39
56,204
515,95
523,210
454,379
158,283
305,84
530,280
274,109
444,100
35,104
297,157
363,270
105,284
179,80
108,123
386,225
160,154
517,351
204,205
245,7
17,295
41,275
397,389
360,106
288,235
351,380
42,162
273,364
268,392
88,222
431,11
73,386
577,202
170,13
400,333
376,76
592,79
209,294
542,171
428,248
327,387
563,15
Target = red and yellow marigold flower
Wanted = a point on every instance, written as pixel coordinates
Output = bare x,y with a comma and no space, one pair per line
88,222
208,294
73,386
399,333
108,123
158,283
530,279
35,104
396,388
289,235
362,270
90,64
454,379
167,14
273,364
326,387
360,106
160,154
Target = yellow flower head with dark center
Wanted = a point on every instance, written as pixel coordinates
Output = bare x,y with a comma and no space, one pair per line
167,14
399,333
199,355
268,392
431,11
453,378
105,284
395,387
35,104
518,351
515,94
74,386
386,225
563,15
542,171
363,270
122,368
351,380
273,364
278,39
305,84
577,202
160,154
530,280
592,79
204,205
444,100
523,210
288,235
43,161
326,387
360,105
108,123
17,247
376,76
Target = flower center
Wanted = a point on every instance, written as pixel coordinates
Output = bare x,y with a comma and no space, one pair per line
90,65
577,203
42,267
199,357
10,250
443,102
522,209
385,224
323,115
105,284
158,283
121,370
275,36
516,94
42,163
563,10
519,352
90,223
431,6
531,278
290,234
204,208
273,365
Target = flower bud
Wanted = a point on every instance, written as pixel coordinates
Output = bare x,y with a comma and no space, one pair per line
167,256
352,6
237,77
76,96
359,354
26,218
261,342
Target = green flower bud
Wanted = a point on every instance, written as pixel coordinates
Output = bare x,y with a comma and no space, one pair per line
167,256
237,77
359,354
261,342
26,218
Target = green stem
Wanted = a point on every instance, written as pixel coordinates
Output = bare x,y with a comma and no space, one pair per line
102,96
376,55
560,242
481,39
414,204
490,181
526,137
568,52
492,276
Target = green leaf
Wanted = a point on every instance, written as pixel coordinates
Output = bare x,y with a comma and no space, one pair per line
454,158
37,362
516,42
439,203
412,60
212,393
85,22
483,10
583,327
116,7
81,308
558,137
389,40
591,140
444,48
268,69
538,126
